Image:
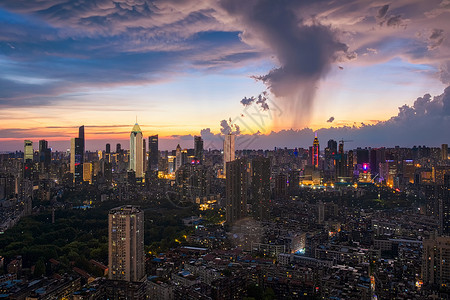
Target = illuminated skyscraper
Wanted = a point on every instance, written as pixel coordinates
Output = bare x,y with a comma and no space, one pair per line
28,151
87,172
228,149
315,152
77,156
153,154
126,243
136,151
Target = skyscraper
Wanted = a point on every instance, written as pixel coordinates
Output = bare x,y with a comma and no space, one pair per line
45,155
77,156
178,158
144,156
228,150
350,163
330,152
108,152
82,142
260,188
444,151
126,243
198,148
315,152
443,194
28,151
236,190
362,156
76,163
341,169
136,149
87,172
153,155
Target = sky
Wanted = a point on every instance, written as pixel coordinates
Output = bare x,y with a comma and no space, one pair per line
373,72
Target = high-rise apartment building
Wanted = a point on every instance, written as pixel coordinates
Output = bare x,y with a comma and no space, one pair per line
126,243
153,154
136,151
442,194
236,190
350,163
435,261
260,187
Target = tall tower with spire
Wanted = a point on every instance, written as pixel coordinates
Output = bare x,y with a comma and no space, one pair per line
136,151
315,152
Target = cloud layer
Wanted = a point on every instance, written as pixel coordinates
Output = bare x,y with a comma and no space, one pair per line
53,48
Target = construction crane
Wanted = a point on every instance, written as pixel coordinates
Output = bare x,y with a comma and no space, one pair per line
342,141
373,179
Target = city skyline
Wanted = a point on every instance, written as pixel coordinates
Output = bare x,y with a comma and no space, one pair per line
373,73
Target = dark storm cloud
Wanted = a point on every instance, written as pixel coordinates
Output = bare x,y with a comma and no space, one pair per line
444,73
261,101
436,38
305,51
382,11
394,21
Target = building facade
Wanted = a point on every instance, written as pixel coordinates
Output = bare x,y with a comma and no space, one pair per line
126,243
236,190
